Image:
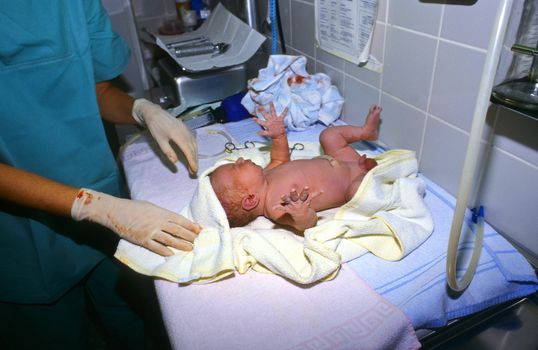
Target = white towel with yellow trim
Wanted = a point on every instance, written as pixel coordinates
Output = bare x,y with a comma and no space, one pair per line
387,217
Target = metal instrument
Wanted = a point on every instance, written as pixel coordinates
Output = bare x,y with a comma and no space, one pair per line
196,46
229,147
200,48
296,147
188,42
198,119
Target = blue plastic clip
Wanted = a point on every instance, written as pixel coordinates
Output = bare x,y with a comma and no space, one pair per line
477,213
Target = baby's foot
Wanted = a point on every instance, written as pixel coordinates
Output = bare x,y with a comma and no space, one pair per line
370,127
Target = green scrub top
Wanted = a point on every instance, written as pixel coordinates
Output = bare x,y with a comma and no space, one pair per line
51,55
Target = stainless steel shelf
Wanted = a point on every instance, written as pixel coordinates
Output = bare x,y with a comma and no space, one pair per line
512,325
527,112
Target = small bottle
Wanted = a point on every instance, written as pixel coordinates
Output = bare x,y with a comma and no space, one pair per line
181,6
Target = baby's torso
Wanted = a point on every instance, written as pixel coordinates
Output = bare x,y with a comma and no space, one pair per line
336,180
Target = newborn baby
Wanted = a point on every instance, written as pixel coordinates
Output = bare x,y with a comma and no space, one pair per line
291,192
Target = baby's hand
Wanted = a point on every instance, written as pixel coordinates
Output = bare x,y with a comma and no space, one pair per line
297,205
273,125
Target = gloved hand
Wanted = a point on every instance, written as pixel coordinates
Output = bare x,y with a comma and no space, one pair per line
139,222
165,128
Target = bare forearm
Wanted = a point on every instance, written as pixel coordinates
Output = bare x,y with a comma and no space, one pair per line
307,222
115,105
36,192
280,152
139,222
275,128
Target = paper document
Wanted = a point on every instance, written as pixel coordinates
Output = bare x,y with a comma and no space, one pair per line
344,27
222,27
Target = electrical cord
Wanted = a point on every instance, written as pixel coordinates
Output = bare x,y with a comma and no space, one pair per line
274,26
280,32
216,132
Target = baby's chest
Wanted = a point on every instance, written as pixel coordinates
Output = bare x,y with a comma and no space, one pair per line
331,182
311,173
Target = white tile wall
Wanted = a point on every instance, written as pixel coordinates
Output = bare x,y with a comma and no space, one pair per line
456,82
358,97
510,195
302,27
433,52
470,24
402,125
337,76
408,66
443,153
415,15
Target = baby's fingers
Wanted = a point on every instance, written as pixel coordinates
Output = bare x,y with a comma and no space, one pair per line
314,195
285,199
294,196
304,194
260,122
272,109
262,110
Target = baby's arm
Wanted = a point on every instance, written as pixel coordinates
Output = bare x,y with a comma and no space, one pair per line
294,210
275,129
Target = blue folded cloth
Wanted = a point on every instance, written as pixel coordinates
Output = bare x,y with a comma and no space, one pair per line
417,283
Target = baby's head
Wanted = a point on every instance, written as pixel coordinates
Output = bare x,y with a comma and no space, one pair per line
238,187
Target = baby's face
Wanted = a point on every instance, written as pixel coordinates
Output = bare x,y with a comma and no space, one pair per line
243,171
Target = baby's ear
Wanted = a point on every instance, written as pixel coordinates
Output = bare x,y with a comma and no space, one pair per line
250,201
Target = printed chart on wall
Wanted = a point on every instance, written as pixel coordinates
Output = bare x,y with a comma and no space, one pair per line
344,28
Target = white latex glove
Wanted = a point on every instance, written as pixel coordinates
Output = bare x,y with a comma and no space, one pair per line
139,222
165,129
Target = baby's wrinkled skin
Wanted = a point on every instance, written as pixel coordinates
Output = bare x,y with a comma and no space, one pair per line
291,192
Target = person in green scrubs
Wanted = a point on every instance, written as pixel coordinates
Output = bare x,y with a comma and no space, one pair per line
61,205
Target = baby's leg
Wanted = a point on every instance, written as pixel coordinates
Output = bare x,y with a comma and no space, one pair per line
335,140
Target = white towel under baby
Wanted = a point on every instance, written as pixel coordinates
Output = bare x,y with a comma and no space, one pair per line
387,217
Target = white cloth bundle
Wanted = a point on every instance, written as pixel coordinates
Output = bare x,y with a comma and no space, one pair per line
286,83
